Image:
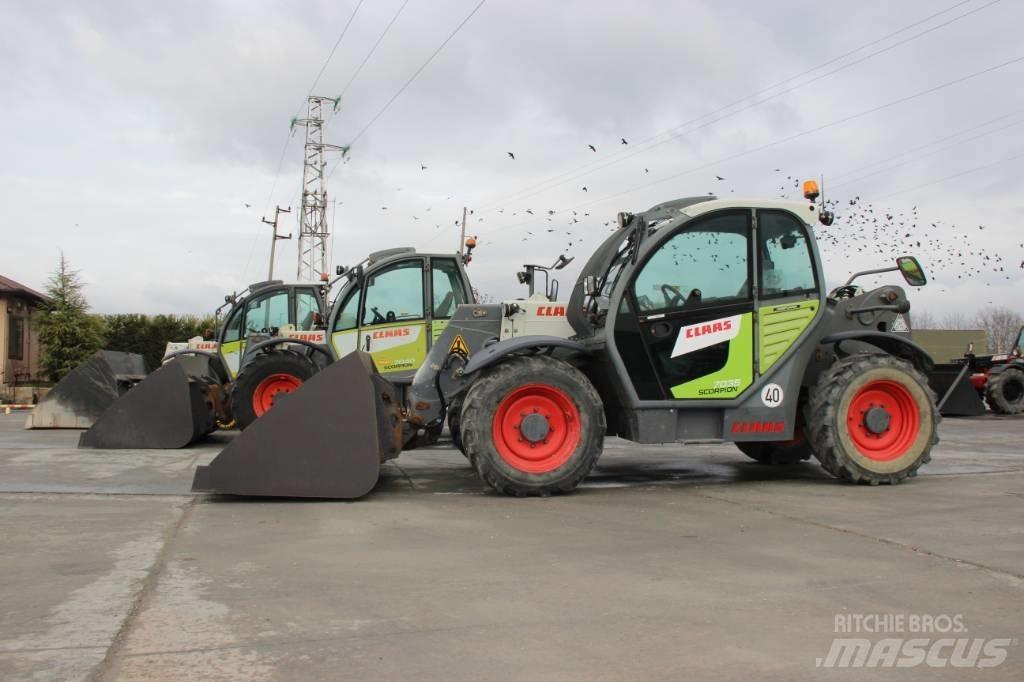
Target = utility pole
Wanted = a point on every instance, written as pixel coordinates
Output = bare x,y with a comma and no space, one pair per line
273,240
313,229
462,239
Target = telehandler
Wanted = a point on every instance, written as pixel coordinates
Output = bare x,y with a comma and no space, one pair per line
700,319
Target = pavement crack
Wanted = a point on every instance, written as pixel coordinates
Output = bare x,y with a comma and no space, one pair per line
101,671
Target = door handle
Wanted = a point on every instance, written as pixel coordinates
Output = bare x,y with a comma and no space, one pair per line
367,342
661,329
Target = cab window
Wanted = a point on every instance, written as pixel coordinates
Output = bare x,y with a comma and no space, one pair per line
447,288
786,266
233,327
705,264
266,312
348,318
394,294
307,305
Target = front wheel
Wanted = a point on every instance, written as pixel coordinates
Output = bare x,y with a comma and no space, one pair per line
872,419
532,425
264,380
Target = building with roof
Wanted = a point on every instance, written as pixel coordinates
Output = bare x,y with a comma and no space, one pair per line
19,342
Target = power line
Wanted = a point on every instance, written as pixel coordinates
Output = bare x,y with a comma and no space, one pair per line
412,78
288,138
331,55
790,138
950,177
676,132
833,185
925,146
374,48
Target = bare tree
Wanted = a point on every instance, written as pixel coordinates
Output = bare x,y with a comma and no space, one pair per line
1001,325
923,319
957,319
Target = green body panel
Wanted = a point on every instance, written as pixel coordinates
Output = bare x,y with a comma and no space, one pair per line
734,378
779,326
401,357
231,354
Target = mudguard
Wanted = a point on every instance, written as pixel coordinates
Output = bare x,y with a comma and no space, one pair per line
496,351
893,344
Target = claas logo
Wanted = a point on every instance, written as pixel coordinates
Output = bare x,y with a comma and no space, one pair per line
709,328
390,333
758,427
551,311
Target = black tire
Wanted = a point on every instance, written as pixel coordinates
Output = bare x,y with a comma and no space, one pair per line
264,365
454,426
834,428
542,380
1004,392
779,454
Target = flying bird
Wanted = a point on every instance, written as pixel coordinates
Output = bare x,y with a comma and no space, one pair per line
646,170
719,177
592,147
248,205
422,167
624,141
584,189
511,156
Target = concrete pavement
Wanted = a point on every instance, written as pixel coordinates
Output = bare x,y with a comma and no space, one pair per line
663,565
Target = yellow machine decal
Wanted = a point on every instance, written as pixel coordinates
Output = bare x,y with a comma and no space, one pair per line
779,326
459,346
395,347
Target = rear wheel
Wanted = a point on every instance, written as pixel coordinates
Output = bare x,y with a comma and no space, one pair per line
872,419
264,380
1004,392
532,426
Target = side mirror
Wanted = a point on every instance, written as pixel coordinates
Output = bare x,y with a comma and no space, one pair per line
523,277
912,271
227,298
623,219
590,286
339,270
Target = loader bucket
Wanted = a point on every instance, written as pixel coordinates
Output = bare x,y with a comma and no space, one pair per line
326,439
956,396
166,410
87,391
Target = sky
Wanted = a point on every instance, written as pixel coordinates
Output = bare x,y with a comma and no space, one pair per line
147,140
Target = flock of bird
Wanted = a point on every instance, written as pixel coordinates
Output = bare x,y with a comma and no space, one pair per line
950,252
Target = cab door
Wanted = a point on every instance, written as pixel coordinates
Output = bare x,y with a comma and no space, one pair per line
687,330
788,292
392,323
447,292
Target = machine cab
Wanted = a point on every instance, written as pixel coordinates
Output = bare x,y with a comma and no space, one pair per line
396,305
714,301
270,307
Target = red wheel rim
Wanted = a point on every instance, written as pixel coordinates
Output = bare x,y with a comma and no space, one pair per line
268,389
903,426
550,412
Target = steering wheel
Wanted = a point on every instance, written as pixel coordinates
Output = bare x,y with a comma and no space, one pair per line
377,317
672,295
